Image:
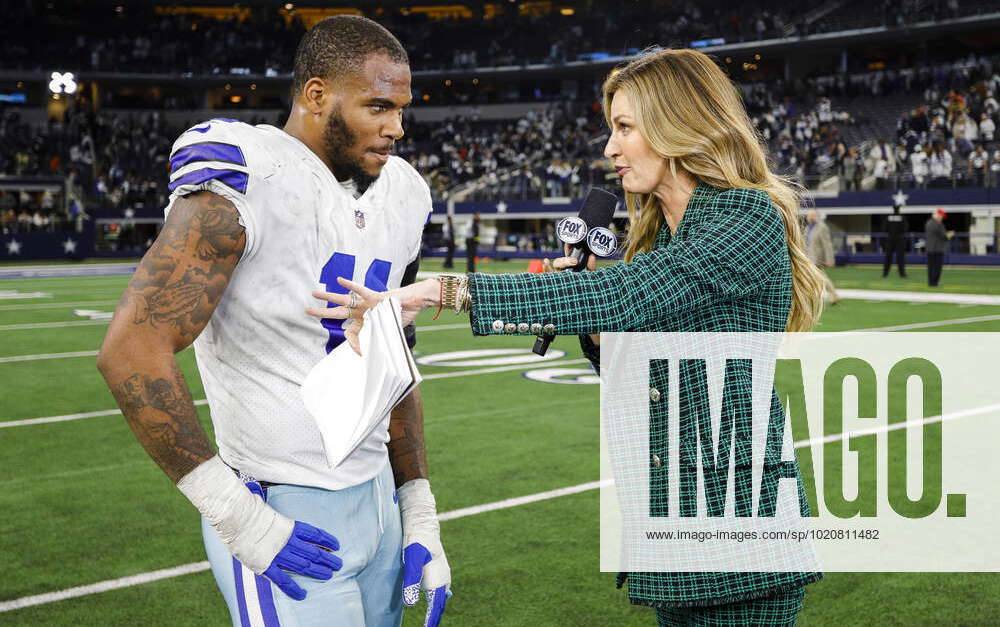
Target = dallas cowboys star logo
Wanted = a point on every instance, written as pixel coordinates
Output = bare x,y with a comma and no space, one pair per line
69,246
501,207
899,199
13,247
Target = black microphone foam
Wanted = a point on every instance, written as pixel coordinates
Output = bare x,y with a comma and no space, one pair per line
598,208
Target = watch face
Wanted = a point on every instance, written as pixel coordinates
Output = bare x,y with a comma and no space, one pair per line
571,230
602,242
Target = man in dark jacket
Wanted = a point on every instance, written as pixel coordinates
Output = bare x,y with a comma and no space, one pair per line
895,242
936,244
449,242
472,244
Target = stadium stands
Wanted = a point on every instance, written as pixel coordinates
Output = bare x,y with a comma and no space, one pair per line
143,38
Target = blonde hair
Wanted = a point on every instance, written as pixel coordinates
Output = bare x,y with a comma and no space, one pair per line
692,115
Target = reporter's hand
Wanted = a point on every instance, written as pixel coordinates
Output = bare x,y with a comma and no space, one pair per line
413,299
567,262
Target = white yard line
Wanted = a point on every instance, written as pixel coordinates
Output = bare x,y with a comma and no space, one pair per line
442,375
520,500
51,325
926,325
7,360
920,297
539,364
67,417
33,306
197,567
464,325
80,323
444,327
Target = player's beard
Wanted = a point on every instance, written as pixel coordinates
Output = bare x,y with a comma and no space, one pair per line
339,139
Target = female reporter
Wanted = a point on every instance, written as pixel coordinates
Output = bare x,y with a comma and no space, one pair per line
714,246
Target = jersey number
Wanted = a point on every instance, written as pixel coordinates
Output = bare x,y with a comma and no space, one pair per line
342,265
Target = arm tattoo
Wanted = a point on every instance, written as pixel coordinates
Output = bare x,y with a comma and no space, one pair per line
166,305
406,439
161,414
184,274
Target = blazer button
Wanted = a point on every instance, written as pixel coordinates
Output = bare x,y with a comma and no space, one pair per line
656,461
550,329
654,395
498,325
536,328
510,328
522,327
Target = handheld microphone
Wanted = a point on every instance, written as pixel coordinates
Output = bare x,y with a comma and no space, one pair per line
596,212
586,234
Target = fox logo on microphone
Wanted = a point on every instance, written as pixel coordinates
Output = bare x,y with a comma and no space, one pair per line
571,230
602,242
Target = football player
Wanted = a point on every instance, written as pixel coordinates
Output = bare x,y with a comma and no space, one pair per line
258,218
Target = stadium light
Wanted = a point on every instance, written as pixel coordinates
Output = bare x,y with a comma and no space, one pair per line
62,83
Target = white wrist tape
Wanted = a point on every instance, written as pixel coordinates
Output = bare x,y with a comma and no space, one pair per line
253,531
420,524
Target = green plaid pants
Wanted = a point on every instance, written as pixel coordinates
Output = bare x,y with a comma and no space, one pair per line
778,610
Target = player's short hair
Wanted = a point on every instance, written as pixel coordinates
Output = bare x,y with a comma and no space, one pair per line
337,45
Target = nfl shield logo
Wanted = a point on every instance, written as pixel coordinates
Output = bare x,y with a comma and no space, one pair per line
359,219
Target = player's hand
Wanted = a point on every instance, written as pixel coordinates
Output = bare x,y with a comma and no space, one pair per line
425,566
308,552
421,569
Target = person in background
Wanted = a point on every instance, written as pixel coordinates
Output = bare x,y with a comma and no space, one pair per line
449,242
936,245
979,161
895,242
819,247
918,163
472,244
849,168
940,166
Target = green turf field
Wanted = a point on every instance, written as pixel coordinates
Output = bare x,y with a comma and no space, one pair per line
83,504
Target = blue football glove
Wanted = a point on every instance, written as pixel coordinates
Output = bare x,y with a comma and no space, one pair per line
307,553
415,557
424,563
265,541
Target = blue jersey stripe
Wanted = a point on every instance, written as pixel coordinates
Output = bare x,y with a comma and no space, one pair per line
232,178
206,151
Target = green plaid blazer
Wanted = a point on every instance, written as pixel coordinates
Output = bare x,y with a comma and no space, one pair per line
726,269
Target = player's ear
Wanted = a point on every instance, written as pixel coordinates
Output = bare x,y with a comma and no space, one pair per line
314,95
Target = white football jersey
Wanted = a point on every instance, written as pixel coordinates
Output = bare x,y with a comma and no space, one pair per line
303,230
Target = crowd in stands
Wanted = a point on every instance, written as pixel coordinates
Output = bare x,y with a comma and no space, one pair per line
900,13
119,161
105,160
135,37
542,152
951,137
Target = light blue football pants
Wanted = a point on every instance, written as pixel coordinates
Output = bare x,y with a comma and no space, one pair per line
366,592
